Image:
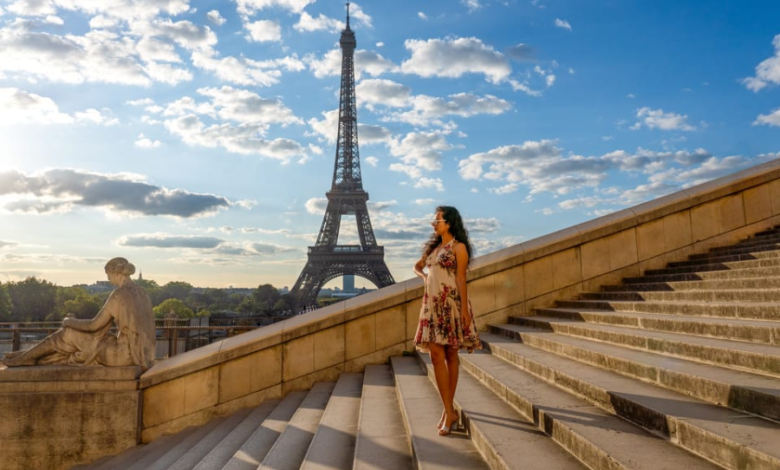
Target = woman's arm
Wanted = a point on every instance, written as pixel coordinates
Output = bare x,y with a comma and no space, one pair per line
462,264
418,268
102,319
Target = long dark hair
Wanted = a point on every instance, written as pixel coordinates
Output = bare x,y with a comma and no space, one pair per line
457,229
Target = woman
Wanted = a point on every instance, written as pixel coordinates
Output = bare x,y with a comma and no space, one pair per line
88,342
446,319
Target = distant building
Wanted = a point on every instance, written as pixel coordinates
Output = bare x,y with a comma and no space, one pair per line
349,283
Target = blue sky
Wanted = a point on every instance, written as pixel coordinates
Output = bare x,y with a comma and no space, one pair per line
196,138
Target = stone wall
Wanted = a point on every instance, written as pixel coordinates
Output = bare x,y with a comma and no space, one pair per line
55,417
267,363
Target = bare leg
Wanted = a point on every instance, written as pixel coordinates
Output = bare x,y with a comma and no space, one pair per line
443,383
453,368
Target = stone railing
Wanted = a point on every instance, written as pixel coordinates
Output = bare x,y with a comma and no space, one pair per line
248,369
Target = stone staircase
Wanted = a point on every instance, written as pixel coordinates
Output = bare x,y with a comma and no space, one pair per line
677,369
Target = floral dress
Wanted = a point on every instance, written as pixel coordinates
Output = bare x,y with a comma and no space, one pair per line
440,320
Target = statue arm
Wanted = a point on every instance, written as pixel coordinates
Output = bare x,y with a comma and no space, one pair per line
101,320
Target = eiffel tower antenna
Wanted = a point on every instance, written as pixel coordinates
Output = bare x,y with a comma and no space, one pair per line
326,259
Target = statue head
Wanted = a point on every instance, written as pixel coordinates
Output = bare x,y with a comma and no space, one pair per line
120,266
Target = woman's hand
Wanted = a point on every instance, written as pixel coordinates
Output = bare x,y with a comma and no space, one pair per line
465,319
418,269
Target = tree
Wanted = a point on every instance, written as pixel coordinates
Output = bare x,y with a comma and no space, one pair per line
175,305
176,290
84,306
265,297
152,289
6,306
32,299
65,294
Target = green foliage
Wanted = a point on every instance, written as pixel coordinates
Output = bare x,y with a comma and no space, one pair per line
175,305
265,297
203,313
84,306
32,299
65,294
6,306
176,290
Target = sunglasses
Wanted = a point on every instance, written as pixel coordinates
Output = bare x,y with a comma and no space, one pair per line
435,222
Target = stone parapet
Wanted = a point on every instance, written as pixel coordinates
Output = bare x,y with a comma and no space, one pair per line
54,417
269,362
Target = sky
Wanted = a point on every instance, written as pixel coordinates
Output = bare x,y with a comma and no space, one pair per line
197,138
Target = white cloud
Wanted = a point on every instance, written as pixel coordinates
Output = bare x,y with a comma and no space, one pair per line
316,205
368,62
214,17
322,23
328,127
245,71
384,92
425,202
427,110
140,102
60,190
471,4
20,107
454,57
245,138
146,143
772,119
434,183
93,116
249,7
373,161
422,16
657,119
98,56
422,150
562,24
767,72
264,31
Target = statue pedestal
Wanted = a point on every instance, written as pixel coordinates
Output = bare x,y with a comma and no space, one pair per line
54,417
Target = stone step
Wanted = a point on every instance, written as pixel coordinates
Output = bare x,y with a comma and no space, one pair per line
596,437
725,259
725,295
195,454
153,455
768,232
333,445
505,438
753,331
747,243
290,449
758,282
756,394
701,268
381,442
254,450
729,438
735,250
755,358
224,450
753,310
127,458
177,451
421,409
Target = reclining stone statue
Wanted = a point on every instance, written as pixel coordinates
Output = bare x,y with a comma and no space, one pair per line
90,342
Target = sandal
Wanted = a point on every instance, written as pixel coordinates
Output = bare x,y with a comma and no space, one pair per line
446,430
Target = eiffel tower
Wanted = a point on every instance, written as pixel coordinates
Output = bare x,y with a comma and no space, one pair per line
328,260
